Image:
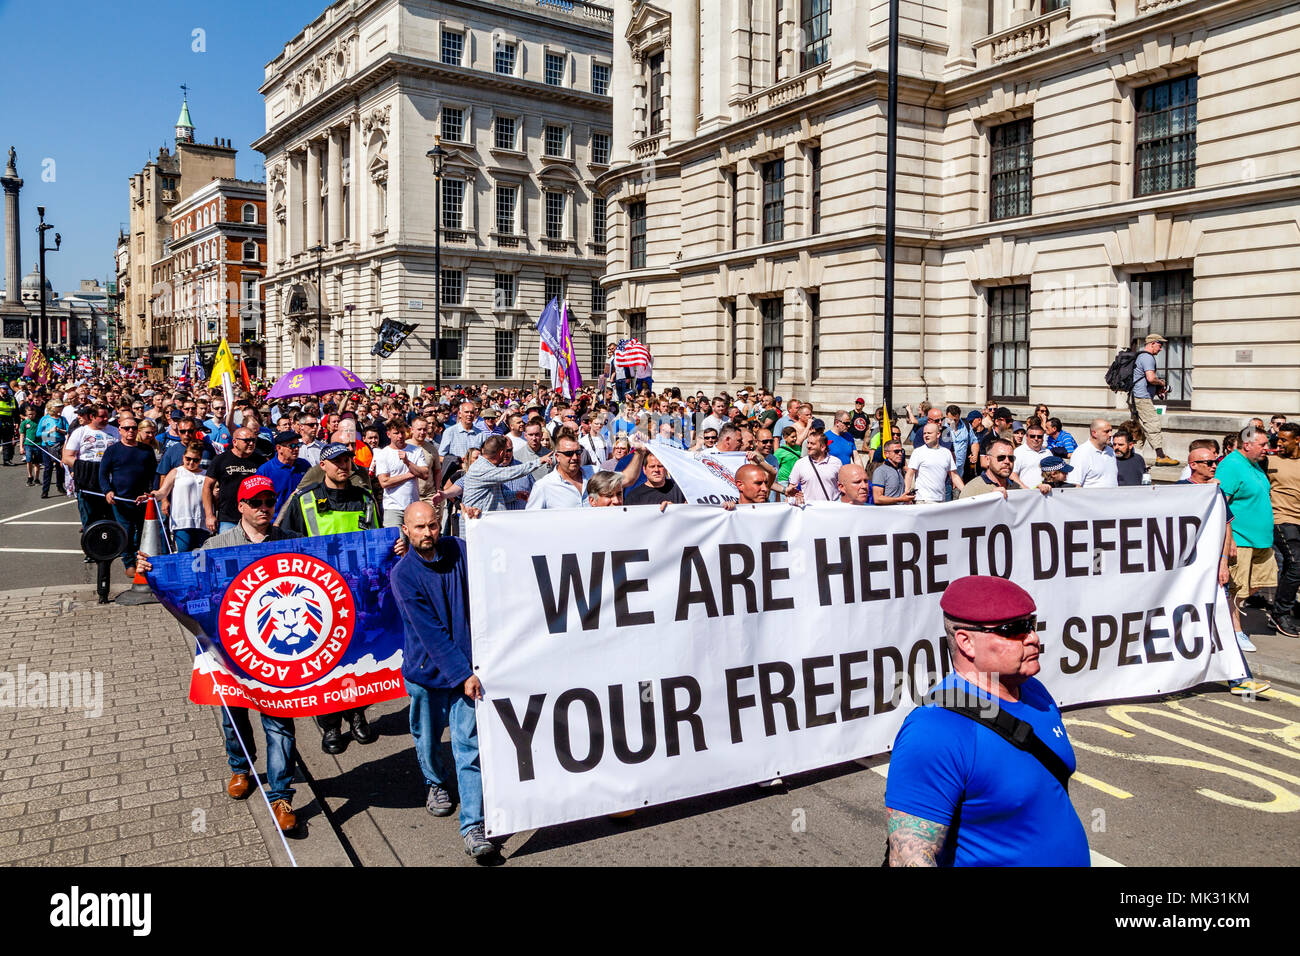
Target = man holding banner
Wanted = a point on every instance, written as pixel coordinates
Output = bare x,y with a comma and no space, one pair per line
431,587
256,509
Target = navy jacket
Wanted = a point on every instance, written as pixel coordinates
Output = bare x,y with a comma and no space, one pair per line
433,598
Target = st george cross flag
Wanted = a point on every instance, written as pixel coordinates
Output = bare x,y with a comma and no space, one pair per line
293,627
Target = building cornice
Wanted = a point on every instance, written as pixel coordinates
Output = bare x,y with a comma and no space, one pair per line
1277,189
348,92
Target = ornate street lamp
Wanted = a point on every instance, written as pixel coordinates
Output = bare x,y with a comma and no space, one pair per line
58,241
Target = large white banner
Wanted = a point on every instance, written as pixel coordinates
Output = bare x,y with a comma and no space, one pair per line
631,657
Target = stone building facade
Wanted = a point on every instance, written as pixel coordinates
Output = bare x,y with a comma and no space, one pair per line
207,285
517,93
1070,176
154,190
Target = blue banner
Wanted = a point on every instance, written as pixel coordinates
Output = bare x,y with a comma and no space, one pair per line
292,628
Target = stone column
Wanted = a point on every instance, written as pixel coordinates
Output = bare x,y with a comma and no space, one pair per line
850,31
13,251
1090,16
292,205
715,37
311,189
1021,10
967,22
357,180
620,86
684,69
335,197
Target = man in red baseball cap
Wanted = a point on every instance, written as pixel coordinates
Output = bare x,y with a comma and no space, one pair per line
256,501
978,774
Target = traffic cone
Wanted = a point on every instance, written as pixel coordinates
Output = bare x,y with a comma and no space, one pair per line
150,545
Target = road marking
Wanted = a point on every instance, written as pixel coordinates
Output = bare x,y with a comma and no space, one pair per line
1100,859
75,524
70,501
42,551
1101,785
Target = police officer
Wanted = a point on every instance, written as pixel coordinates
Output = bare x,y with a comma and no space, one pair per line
8,422
978,775
335,506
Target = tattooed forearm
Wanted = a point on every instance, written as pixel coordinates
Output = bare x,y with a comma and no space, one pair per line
912,840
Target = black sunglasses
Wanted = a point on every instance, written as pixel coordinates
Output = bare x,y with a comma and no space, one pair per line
1011,629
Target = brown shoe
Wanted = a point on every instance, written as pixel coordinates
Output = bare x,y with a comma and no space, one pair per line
284,816
240,786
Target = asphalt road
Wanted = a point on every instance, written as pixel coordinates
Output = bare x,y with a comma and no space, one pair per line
40,539
1201,778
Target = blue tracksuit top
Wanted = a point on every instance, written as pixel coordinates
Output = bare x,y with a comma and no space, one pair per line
433,598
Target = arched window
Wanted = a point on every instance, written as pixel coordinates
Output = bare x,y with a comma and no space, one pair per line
250,212
250,251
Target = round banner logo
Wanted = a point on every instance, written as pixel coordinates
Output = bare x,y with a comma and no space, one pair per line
287,619
718,471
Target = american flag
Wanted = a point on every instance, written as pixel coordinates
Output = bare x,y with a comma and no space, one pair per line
630,353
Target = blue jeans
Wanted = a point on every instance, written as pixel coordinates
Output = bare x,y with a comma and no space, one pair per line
189,539
131,517
225,526
432,708
92,508
52,468
279,749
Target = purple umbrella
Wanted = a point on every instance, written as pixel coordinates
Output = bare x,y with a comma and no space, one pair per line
313,380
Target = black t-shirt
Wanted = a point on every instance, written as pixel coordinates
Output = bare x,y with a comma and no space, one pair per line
859,424
1130,470
643,494
228,470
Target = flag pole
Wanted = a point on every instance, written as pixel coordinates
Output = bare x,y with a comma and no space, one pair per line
891,192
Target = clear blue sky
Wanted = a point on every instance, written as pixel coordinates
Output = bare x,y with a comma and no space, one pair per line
94,87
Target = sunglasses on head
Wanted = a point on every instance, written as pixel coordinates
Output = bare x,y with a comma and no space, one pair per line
1017,628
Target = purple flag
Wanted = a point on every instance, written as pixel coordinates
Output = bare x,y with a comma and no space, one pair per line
572,377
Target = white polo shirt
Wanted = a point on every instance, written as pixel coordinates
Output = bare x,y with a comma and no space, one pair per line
1093,468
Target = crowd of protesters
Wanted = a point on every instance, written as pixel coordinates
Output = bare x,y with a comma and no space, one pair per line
426,461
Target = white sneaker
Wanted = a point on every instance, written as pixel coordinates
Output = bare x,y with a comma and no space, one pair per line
1245,643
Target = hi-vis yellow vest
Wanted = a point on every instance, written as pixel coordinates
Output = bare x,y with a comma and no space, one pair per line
318,522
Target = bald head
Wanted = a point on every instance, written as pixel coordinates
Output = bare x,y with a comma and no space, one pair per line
420,525
855,486
752,483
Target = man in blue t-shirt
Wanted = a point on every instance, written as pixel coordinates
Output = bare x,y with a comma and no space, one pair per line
286,469
959,794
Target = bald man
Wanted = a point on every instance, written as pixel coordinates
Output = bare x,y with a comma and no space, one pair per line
1093,462
752,483
854,486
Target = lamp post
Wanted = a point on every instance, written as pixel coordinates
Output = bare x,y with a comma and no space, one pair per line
319,251
58,241
437,156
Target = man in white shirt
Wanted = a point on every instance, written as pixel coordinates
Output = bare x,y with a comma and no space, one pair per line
930,467
566,486
1094,461
1029,456
399,467
816,475
719,416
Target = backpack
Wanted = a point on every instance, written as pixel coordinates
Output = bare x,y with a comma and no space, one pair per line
1120,374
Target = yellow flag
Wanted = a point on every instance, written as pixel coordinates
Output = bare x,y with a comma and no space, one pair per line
886,430
224,363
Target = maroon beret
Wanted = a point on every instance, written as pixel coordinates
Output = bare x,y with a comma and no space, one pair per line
983,599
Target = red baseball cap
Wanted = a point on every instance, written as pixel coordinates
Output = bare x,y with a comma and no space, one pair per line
253,485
